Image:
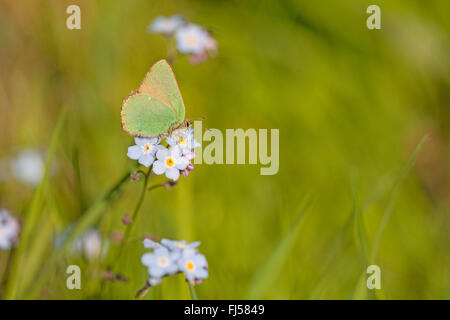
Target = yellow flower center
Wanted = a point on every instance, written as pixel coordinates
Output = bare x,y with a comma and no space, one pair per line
170,162
181,141
190,266
180,245
147,148
163,261
191,40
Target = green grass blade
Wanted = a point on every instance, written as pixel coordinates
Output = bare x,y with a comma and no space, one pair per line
32,215
87,220
268,273
361,241
360,234
359,228
388,211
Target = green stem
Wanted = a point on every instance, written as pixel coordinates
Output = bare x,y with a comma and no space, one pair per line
134,214
142,292
138,206
193,293
7,269
171,50
156,186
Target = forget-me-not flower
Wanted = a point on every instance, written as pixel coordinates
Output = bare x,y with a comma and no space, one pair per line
9,230
184,138
166,25
28,167
170,256
161,262
193,264
91,245
170,161
145,150
150,244
191,39
179,245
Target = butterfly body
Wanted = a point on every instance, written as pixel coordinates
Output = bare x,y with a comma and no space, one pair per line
156,108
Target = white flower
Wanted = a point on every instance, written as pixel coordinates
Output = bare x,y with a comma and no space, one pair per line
161,262
150,244
193,265
191,39
28,167
166,25
170,162
9,230
144,150
170,257
184,138
179,245
90,245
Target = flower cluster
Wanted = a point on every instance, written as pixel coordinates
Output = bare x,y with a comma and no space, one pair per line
190,38
170,257
9,230
169,161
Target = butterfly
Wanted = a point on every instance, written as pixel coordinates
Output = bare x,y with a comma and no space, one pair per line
156,108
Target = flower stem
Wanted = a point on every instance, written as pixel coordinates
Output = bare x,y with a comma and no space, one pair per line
171,50
142,292
7,269
193,293
135,212
139,204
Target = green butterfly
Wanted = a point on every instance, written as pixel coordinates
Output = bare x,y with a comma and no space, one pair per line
156,108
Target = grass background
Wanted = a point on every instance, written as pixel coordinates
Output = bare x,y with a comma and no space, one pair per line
351,105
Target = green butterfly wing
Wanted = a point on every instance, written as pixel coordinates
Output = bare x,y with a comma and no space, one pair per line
146,116
160,82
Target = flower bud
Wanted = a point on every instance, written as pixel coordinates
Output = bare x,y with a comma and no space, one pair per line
135,176
117,236
126,220
190,155
169,184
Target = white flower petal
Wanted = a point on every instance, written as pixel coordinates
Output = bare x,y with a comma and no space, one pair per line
159,167
173,173
147,259
175,151
171,141
162,154
181,163
196,144
154,140
150,244
134,152
140,141
146,160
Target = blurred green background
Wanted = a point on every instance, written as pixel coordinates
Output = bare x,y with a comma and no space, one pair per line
351,105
